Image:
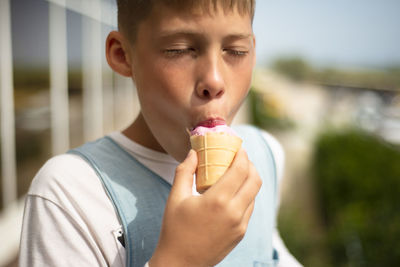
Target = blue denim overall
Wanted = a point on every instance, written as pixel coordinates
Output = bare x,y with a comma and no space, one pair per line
139,197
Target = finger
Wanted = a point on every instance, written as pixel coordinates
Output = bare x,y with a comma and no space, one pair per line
183,181
233,178
247,193
247,214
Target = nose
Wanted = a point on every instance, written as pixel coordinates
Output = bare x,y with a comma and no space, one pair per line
210,82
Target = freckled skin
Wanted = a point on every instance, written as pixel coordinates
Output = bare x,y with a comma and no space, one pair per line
188,68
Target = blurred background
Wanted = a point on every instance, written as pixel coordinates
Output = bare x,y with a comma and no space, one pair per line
327,85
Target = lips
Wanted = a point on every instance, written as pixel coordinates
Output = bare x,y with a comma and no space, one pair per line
210,123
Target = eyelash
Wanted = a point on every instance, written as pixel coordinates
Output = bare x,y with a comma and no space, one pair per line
180,52
236,53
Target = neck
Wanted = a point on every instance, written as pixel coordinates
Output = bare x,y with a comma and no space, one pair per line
139,132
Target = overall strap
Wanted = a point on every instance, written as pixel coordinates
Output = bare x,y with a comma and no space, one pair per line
255,249
138,195
259,153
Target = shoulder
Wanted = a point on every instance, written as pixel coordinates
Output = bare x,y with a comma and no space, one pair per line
67,197
60,171
70,182
276,149
273,144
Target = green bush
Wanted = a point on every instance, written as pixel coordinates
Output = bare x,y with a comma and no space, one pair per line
264,115
293,67
357,177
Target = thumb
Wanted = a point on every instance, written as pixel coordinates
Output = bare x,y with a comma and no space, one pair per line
183,181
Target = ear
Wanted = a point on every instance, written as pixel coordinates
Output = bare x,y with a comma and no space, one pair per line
117,54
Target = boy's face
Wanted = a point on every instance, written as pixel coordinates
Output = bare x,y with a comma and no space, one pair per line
189,68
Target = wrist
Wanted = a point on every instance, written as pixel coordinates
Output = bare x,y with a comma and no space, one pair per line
167,259
163,259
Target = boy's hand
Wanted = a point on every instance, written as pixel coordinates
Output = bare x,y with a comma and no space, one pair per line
202,230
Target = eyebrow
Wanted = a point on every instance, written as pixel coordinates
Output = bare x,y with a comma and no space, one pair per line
177,34
238,36
198,35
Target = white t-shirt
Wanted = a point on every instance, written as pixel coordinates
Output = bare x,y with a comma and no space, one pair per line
69,219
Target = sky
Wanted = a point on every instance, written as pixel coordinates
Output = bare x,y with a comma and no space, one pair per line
340,32
343,33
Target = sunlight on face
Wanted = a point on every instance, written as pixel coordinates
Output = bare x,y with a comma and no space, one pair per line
189,67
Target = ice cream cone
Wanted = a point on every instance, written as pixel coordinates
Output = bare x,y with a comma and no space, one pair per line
215,152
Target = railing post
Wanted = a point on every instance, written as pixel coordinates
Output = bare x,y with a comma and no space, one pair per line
8,159
108,93
128,103
92,72
58,77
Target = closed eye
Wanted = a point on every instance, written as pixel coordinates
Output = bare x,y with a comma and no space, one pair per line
179,51
236,53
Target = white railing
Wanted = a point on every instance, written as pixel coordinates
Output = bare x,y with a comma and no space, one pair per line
8,164
94,14
101,89
58,78
11,215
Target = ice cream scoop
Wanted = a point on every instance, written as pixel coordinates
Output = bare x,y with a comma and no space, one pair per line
216,147
202,130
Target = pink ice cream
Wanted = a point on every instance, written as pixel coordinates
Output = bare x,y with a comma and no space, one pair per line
216,145
202,130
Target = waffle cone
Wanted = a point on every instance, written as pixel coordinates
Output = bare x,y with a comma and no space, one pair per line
215,152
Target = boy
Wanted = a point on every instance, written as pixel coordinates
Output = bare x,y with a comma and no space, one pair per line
103,204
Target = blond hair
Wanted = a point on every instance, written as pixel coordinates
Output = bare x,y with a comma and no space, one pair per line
132,12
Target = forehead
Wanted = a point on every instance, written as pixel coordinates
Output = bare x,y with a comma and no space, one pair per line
244,7
164,20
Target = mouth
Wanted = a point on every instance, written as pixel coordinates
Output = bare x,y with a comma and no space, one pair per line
210,123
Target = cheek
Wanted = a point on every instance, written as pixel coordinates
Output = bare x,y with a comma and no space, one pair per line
163,90
242,79
173,83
